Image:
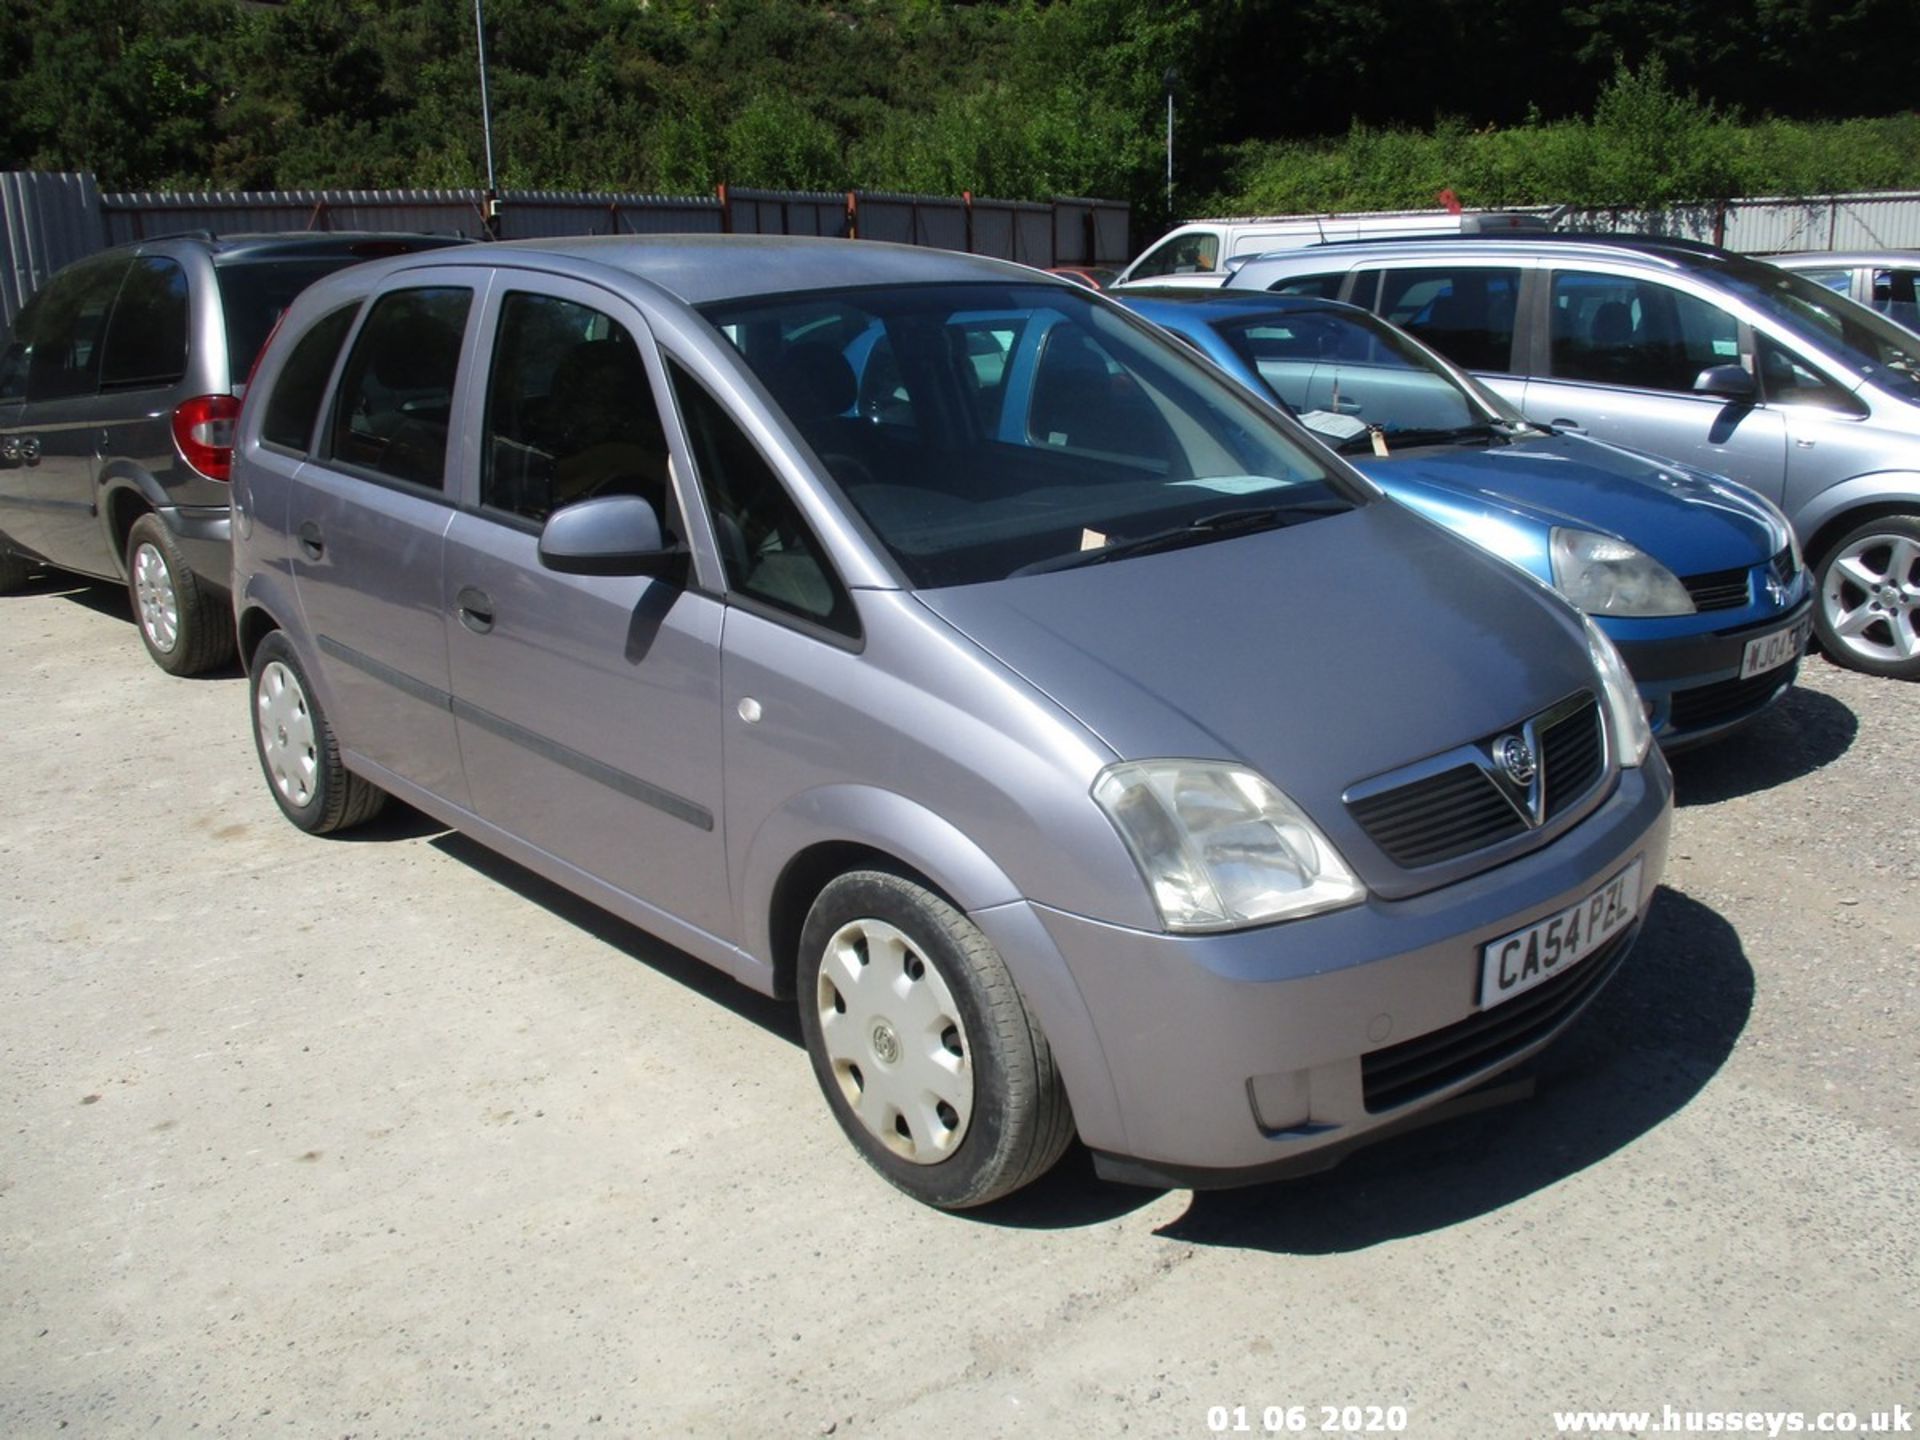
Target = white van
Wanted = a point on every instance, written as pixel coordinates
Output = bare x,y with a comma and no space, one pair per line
1201,253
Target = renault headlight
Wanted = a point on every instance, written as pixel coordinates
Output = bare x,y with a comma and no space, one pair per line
1631,733
1604,575
1220,847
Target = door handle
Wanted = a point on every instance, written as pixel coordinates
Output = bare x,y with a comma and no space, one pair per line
30,449
10,448
1568,426
476,609
311,545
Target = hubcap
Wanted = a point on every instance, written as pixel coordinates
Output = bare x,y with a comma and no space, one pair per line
1872,596
153,594
896,1041
286,734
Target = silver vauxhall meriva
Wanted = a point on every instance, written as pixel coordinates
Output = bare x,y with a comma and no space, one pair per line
935,644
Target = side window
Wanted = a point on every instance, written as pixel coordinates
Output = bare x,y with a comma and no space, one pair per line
1786,379
1180,255
1621,331
63,350
769,550
570,412
294,406
1467,314
1322,287
1085,401
13,362
396,395
1837,280
146,340
1894,296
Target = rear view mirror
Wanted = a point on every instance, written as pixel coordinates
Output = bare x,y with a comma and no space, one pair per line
1730,382
614,535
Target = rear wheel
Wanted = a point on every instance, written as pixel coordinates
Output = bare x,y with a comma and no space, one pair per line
923,1045
298,752
186,629
1868,608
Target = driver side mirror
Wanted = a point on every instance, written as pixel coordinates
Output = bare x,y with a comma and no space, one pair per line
1729,382
613,535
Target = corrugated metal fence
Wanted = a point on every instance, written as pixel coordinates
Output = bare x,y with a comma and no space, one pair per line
1876,220
50,220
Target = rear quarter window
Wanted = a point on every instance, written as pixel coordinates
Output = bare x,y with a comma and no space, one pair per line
293,409
146,341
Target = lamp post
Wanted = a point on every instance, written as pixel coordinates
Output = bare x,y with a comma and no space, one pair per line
1171,78
490,208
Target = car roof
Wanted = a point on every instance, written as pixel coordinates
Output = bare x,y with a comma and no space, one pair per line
1792,259
290,244
1223,303
1662,249
703,268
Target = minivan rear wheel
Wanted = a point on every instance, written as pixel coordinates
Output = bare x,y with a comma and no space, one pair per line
298,752
186,630
14,571
923,1046
1867,611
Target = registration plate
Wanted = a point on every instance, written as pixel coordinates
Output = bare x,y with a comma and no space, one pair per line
1770,652
1514,964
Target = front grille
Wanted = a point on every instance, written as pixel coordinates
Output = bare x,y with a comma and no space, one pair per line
1725,700
1467,806
1717,590
1416,1067
1449,814
1573,754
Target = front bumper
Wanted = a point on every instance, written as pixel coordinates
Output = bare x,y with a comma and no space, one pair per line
1237,1057
1692,684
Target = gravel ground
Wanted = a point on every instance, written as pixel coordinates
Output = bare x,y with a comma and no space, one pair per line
381,1136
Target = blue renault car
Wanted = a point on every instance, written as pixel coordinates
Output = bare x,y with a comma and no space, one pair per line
1697,579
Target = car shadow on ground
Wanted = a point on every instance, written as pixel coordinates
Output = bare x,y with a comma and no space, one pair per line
1648,1045
777,1017
1805,732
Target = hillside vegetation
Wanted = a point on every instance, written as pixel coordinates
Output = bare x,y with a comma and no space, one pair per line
1505,101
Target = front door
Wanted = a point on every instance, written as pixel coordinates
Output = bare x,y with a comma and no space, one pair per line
1623,356
588,707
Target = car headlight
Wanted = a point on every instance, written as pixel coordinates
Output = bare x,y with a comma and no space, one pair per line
1220,847
1607,576
1631,732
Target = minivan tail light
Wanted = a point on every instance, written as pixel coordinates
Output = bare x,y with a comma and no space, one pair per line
203,429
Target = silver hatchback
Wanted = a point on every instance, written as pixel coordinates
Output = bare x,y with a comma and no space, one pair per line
939,646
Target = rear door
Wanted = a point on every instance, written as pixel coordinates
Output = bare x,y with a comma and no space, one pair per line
367,519
1621,356
46,489
587,707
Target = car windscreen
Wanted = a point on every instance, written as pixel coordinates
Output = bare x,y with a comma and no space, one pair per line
1345,375
1871,346
981,430
254,294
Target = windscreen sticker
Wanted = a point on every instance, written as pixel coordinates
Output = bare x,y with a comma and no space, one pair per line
1235,484
1329,422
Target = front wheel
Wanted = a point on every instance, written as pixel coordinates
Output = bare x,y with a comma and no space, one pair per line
923,1045
186,629
1868,610
298,752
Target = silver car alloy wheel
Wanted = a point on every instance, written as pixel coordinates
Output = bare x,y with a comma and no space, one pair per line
1871,594
286,733
154,594
896,1041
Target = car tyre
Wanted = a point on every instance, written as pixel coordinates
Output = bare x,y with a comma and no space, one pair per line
1867,598
299,754
186,629
923,1046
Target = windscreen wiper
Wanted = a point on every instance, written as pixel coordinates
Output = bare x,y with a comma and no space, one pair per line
1198,532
